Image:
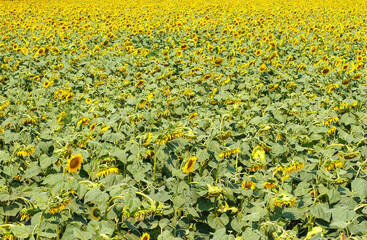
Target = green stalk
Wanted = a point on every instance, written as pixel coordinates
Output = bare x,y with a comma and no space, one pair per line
151,201
108,204
6,225
155,164
39,224
175,223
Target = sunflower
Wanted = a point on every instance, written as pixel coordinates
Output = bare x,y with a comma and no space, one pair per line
269,185
74,163
104,129
218,61
107,171
96,213
206,76
25,51
83,121
331,130
105,43
189,166
345,67
325,70
96,49
145,236
248,184
70,96
140,83
258,52
88,100
184,46
41,51
262,68
192,116
47,84
93,126
243,50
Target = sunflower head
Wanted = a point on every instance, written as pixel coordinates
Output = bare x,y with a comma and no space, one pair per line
184,46
140,83
96,213
262,68
218,61
46,84
74,163
189,166
41,51
325,71
145,236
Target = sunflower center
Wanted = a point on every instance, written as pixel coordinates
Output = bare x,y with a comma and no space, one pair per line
189,164
74,163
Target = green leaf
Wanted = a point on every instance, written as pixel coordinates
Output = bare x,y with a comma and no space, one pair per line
321,211
132,201
52,179
107,228
334,196
178,201
21,231
359,185
221,235
96,196
217,222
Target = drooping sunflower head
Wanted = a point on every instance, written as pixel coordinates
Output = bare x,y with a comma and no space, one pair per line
96,213
74,163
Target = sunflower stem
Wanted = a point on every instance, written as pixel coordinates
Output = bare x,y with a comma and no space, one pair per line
108,204
6,225
39,225
151,201
57,232
155,163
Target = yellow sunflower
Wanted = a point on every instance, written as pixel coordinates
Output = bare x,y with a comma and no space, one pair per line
189,166
145,236
262,68
140,83
47,84
325,70
74,163
218,61
41,51
184,46
93,126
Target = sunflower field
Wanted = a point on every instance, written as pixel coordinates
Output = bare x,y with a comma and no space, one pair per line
205,119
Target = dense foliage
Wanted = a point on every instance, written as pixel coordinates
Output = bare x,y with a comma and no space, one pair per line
183,119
